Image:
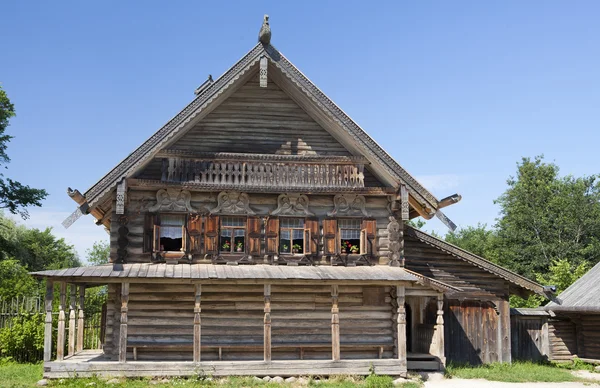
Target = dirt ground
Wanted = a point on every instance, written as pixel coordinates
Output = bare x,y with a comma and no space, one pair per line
438,381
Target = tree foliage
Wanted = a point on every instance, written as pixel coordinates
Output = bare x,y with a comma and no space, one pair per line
14,196
476,239
99,253
544,218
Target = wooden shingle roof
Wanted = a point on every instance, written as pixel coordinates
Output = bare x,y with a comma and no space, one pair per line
581,296
146,272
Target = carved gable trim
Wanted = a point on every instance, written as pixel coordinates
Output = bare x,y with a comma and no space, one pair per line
292,205
172,200
349,205
233,202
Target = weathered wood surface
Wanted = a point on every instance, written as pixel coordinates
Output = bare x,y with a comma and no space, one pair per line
471,331
529,336
80,318
72,334
563,339
60,336
161,321
590,331
48,320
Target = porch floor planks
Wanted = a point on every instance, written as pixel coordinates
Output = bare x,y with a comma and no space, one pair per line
92,362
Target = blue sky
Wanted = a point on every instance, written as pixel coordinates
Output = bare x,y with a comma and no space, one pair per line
456,91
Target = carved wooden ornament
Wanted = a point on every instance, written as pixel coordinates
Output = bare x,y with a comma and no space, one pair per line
395,246
292,205
349,205
172,200
233,202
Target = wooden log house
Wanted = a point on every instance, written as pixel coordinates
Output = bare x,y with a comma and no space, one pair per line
261,231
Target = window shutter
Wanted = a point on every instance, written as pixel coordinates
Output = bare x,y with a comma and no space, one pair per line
363,242
149,221
312,224
370,231
272,235
194,231
253,236
211,234
307,242
330,237
184,238
156,239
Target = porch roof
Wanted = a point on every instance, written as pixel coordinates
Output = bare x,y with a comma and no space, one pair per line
111,273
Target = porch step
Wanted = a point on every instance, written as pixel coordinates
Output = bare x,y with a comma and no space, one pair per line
425,362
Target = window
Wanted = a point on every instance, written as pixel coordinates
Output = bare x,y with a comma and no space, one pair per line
232,238
292,235
170,233
350,235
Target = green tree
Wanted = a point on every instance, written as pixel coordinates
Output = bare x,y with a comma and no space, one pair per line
476,239
545,217
14,196
99,253
15,280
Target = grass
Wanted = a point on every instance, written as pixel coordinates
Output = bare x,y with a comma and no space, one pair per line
517,372
13,375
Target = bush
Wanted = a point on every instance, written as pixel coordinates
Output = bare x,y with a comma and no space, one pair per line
24,340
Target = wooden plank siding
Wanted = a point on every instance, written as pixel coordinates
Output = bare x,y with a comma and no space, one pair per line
529,336
232,319
260,121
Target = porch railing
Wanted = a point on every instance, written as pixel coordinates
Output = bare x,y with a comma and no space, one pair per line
272,170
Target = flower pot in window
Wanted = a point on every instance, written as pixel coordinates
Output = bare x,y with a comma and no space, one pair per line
238,249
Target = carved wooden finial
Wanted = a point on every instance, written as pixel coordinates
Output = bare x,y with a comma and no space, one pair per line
264,36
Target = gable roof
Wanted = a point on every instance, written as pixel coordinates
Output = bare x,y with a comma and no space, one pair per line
217,91
583,295
475,260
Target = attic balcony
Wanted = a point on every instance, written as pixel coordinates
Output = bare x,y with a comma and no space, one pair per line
264,171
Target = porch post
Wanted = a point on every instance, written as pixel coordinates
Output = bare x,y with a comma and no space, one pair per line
400,299
80,318
438,338
48,320
73,294
267,322
60,338
123,331
197,322
335,324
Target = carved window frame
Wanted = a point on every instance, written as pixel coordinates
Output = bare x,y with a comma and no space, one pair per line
362,235
156,233
306,236
233,229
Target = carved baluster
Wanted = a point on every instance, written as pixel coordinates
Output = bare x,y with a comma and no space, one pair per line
123,328
60,339
244,173
80,318
48,320
171,169
361,175
400,298
335,324
72,299
267,323
197,322
164,169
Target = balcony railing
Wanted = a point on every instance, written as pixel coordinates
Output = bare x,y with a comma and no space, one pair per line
266,170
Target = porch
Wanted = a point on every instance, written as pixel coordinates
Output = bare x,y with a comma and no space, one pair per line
93,362
275,320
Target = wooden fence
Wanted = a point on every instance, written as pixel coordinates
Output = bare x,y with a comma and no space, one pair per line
10,309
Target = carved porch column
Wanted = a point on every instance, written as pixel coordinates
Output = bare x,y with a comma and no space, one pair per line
80,318
401,299
197,323
72,300
48,320
60,338
437,345
123,331
267,321
335,324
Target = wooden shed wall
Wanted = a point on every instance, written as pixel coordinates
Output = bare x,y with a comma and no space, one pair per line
232,318
563,339
589,332
471,332
529,336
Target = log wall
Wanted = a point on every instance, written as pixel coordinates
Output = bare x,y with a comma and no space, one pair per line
563,339
590,333
232,320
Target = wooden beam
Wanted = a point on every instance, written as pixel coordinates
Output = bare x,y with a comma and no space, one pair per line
450,200
123,331
197,323
80,319
48,320
437,345
267,322
401,299
60,338
504,329
335,324
419,208
72,301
